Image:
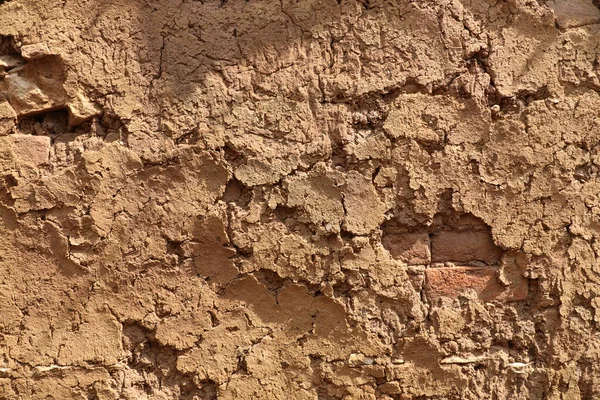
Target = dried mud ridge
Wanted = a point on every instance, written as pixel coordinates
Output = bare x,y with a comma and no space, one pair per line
332,199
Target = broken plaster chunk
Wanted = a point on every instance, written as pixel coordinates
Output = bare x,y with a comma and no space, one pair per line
447,321
8,117
35,51
36,87
81,110
31,149
364,209
257,171
318,196
574,13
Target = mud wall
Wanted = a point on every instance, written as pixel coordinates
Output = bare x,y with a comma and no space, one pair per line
314,199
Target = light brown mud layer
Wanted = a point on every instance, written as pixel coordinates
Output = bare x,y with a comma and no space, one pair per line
313,199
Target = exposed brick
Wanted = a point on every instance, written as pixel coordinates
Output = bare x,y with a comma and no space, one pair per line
411,248
392,387
454,281
464,247
29,148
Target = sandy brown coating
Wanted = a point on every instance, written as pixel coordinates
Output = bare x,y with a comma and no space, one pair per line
315,199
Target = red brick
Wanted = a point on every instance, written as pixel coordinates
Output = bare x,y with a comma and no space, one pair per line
411,248
464,247
453,281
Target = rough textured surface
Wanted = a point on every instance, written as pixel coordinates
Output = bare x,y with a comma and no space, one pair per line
314,199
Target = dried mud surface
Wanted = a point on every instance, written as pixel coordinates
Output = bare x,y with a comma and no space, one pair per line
313,199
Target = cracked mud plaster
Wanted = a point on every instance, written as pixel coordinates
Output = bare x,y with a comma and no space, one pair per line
315,199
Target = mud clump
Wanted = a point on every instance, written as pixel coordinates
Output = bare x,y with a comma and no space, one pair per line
310,199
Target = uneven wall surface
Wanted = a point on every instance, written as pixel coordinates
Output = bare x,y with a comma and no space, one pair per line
299,199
